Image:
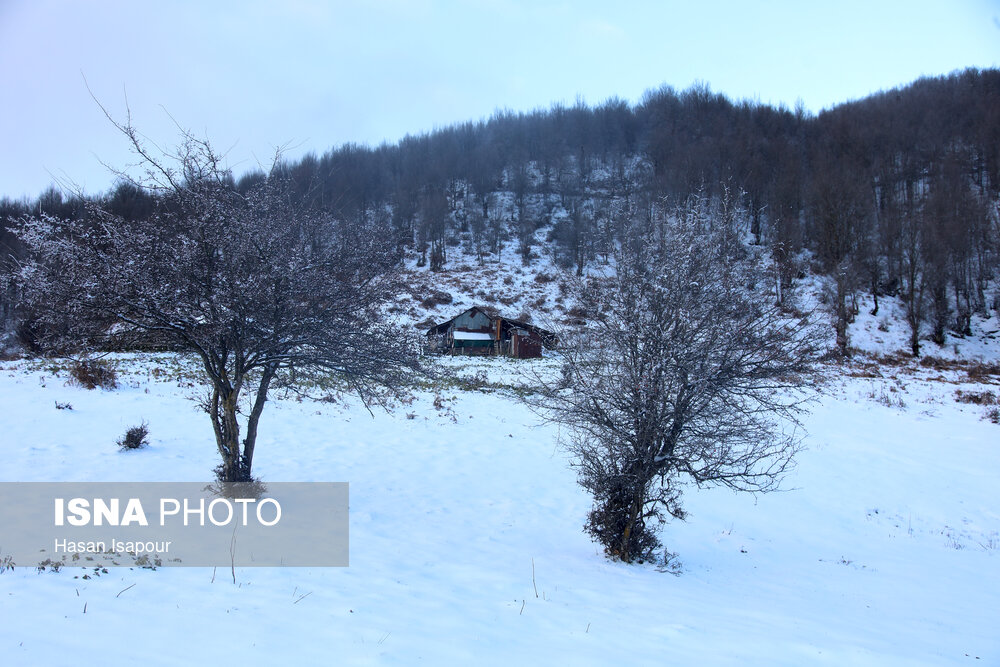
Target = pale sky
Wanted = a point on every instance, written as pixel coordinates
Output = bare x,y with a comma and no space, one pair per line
311,75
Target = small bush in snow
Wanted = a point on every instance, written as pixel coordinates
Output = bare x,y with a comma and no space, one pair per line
976,397
94,374
6,563
49,565
936,363
981,371
993,415
887,397
436,298
135,437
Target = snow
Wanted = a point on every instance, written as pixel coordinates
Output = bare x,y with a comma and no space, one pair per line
889,333
467,546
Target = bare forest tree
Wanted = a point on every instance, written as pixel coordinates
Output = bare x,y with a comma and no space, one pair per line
687,373
253,283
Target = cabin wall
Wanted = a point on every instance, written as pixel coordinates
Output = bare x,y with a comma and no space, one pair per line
527,346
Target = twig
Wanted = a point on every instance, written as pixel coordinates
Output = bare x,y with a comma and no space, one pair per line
533,577
303,597
123,590
522,607
232,555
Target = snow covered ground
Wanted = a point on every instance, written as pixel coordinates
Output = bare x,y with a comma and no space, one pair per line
467,547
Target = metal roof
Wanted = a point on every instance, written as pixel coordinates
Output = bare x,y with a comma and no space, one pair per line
472,335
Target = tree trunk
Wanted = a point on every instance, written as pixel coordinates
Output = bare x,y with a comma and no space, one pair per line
626,548
842,317
258,407
915,338
223,410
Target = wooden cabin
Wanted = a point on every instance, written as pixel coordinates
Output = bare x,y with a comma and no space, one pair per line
478,331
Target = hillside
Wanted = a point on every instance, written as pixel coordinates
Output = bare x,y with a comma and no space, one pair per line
895,198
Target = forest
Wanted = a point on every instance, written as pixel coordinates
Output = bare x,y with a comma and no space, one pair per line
894,194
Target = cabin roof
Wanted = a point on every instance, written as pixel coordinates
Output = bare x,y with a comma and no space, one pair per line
472,335
443,326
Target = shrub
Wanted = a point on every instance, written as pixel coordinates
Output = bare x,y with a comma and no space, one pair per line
976,397
887,398
135,437
993,415
980,371
936,363
244,486
49,565
94,374
436,298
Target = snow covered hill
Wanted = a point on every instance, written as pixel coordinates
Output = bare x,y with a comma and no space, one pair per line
467,544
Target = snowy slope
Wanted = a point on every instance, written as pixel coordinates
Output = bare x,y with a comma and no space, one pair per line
885,550
542,292
889,333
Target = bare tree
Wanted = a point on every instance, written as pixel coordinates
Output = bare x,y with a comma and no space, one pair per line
255,285
688,372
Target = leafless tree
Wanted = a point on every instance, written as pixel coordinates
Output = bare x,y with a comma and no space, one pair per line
254,284
688,372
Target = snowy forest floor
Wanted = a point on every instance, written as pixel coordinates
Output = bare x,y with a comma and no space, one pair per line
467,544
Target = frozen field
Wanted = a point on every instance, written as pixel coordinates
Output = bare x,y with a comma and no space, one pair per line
467,544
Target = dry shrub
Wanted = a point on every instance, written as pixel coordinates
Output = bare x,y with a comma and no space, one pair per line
436,298
937,363
864,371
135,437
94,374
893,359
983,371
976,397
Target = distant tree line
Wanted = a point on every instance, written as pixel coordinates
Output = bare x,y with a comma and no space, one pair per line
895,194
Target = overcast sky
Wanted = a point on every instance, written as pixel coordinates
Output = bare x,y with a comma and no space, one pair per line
310,75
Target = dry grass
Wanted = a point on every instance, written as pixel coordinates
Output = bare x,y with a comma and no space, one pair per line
976,397
980,372
436,298
94,374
